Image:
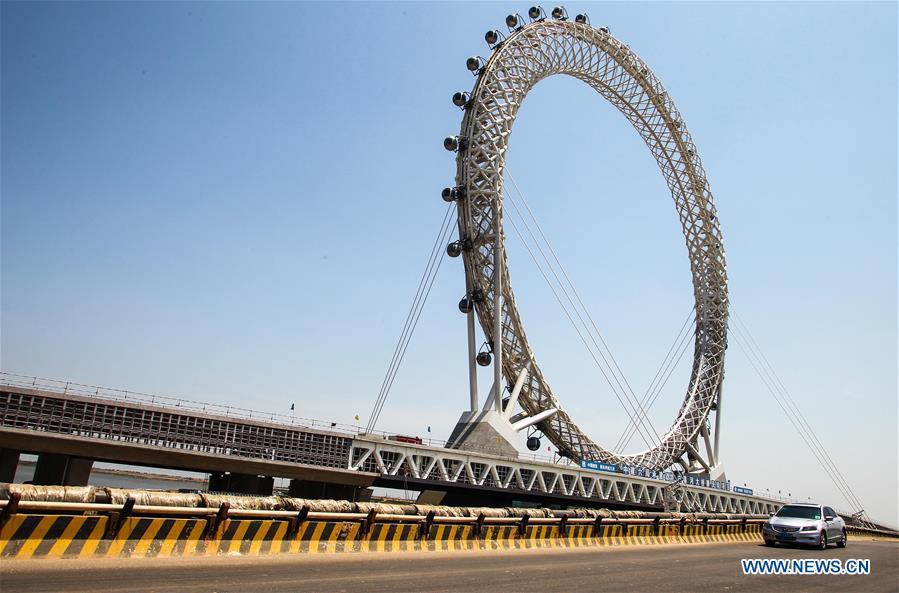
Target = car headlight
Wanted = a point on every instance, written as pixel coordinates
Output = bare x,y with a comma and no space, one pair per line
810,528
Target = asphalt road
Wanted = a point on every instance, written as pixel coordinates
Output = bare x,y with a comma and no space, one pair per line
698,568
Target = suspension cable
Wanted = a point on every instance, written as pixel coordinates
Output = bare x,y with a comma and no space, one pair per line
765,380
791,401
626,389
659,375
797,412
684,344
660,379
424,289
643,433
421,296
671,349
778,390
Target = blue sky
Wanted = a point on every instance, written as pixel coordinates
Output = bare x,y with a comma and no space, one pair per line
234,202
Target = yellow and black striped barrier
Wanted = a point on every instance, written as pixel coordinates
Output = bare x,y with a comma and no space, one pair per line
46,529
65,536
83,536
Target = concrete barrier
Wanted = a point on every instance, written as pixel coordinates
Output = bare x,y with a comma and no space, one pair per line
59,529
83,536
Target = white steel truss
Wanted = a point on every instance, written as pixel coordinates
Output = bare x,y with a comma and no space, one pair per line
390,458
529,54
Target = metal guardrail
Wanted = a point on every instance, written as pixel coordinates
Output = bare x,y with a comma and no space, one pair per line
110,421
15,505
136,397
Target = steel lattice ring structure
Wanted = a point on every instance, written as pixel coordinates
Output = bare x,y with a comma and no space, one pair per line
530,54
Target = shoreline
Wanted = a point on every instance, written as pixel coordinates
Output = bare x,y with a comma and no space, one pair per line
133,474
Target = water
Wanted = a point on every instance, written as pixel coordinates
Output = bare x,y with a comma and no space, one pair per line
100,477
103,477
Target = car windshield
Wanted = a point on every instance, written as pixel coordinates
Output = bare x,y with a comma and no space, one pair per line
800,512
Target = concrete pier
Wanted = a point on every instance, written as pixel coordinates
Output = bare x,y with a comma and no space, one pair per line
54,469
9,461
241,483
313,489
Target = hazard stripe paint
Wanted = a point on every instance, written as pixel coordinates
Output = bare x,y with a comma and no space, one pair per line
142,545
172,537
271,543
16,532
62,543
78,541
37,536
116,546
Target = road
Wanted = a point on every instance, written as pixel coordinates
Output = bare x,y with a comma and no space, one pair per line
698,568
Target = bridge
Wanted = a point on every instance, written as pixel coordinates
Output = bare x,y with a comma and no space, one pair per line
70,426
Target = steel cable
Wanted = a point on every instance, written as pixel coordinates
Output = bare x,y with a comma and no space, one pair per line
666,369
602,369
775,386
421,295
626,389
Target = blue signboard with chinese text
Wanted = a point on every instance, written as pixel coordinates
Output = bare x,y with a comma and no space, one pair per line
596,465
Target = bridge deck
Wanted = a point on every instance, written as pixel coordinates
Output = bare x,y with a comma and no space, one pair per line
46,421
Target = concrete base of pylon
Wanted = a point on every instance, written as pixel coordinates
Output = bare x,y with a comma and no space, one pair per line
485,432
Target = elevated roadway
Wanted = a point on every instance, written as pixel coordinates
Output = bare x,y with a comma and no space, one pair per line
112,426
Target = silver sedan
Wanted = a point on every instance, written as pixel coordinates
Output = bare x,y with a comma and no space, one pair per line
810,524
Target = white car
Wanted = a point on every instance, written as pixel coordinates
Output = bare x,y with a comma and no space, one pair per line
810,524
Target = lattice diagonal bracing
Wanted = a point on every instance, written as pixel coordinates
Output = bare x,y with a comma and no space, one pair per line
530,54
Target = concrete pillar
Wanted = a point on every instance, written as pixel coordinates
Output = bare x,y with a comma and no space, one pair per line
218,482
246,484
241,483
78,472
62,470
477,499
432,497
311,489
50,469
9,461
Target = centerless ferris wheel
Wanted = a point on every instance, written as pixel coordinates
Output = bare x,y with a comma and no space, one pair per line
530,52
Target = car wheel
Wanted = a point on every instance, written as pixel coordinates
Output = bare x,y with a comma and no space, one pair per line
843,540
822,541
770,543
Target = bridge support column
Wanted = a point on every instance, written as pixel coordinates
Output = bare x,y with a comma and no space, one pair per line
62,470
9,461
241,483
311,489
477,499
486,431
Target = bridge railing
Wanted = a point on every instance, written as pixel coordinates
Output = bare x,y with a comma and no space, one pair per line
122,395
16,504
